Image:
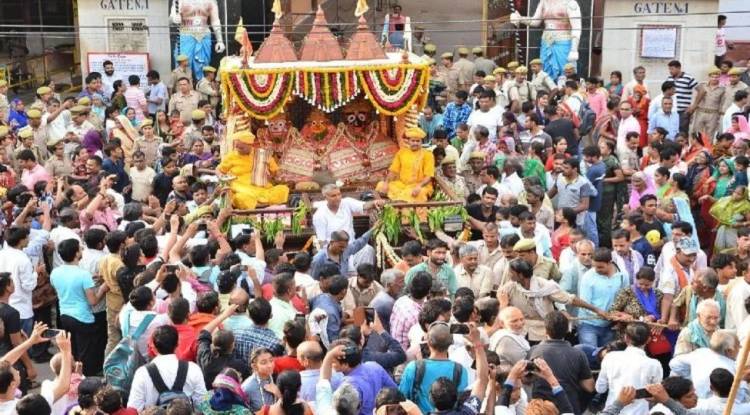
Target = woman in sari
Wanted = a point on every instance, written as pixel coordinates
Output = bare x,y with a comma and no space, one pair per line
17,116
127,134
731,212
606,125
640,102
533,166
641,301
678,185
641,185
739,128
129,113
227,396
566,218
118,95
162,127
92,142
723,176
697,145
559,145
702,184
661,182
614,86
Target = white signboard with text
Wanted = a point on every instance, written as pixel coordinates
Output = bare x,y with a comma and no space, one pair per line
126,64
659,42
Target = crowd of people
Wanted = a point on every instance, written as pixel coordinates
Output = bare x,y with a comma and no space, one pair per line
606,267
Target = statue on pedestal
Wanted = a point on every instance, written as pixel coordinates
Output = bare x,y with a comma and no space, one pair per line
196,18
562,32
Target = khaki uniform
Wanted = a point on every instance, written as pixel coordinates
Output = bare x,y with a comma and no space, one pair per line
150,149
208,91
532,309
706,117
452,78
543,82
185,104
483,64
466,69
40,142
522,93
729,91
59,168
4,108
178,73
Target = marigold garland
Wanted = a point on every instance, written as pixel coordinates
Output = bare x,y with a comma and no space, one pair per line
261,95
392,89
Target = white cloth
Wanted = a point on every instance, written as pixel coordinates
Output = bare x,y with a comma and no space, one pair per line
9,407
57,235
502,190
698,365
630,367
108,82
18,264
736,312
143,393
627,125
326,222
715,405
136,317
726,120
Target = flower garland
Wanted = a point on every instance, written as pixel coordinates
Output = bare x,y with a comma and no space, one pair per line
392,91
384,250
263,95
326,90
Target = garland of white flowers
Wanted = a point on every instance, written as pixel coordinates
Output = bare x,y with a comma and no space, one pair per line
384,249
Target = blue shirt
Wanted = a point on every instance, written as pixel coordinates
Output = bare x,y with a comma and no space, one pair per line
332,308
322,258
455,115
595,173
646,250
600,291
434,369
369,378
157,91
246,340
117,168
669,122
71,283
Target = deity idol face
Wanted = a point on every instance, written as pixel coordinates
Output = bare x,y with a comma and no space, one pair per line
278,127
317,125
357,116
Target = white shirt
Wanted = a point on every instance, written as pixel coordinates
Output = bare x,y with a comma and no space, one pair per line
18,264
726,120
249,261
326,221
303,280
57,127
715,405
491,119
630,367
57,235
143,393
132,318
107,82
668,251
9,407
514,183
736,312
698,365
502,190
627,125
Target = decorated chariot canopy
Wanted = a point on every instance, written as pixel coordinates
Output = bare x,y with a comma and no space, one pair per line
320,74
392,84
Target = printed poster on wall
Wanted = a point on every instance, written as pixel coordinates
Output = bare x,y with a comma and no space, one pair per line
659,42
126,64
127,34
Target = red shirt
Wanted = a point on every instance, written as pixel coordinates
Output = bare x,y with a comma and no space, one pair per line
283,363
187,343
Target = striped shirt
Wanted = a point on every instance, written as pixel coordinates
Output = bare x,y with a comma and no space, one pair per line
684,85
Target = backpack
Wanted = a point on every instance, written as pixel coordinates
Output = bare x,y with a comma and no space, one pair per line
419,377
122,362
167,395
586,117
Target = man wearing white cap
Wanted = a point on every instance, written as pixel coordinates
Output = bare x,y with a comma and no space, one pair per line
676,275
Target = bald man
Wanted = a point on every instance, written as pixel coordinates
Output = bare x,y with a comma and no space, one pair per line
310,356
510,342
240,319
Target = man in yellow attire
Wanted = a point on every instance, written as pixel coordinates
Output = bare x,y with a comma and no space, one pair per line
411,172
252,169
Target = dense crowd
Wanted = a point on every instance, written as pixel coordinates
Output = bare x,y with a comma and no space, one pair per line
606,267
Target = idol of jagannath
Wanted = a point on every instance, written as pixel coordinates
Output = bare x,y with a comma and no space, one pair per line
277,135
308,151
363,152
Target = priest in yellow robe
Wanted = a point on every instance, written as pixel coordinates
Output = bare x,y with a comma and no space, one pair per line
252,169
411,172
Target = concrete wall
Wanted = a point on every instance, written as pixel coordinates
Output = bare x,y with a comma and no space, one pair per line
93,16
738,16
621,37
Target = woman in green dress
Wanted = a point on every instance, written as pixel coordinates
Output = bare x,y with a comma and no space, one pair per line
534,164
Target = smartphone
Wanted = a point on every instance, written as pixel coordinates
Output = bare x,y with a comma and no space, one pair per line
300,318
424,349
202,227
459,329
642,394
531,366
51,333
370,314
247,231
493,294
172,269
